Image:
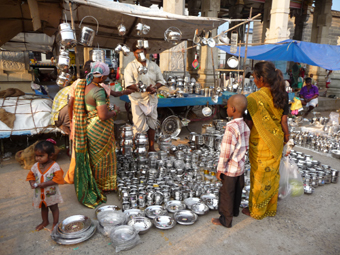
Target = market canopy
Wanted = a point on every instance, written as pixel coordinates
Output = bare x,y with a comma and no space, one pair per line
17,18
322,55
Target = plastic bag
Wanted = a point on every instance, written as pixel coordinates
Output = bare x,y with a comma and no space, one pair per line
124,238
334,118
111,218
291,184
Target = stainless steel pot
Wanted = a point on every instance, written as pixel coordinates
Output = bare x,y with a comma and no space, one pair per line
126,134
63,60
68,36
204,128
217,143
87,34
63,79
98,56
209,140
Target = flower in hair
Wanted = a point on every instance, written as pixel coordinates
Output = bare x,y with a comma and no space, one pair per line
51,141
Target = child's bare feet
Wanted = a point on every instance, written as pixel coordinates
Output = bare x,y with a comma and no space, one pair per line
41,225
246,211
216,221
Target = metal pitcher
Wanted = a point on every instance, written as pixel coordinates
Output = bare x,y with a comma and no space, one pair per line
68,36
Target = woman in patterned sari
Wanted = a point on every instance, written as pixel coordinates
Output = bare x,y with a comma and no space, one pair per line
265,108
95,169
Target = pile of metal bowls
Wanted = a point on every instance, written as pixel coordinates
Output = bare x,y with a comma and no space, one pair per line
313,173
319,143
74,229
158,177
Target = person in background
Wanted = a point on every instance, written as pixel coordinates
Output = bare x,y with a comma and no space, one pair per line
59,114
44,178
230,169
309,94
266,109
328,78
143,104
300,83
295,75
312,80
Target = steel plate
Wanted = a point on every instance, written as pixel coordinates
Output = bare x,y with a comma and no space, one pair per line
171,126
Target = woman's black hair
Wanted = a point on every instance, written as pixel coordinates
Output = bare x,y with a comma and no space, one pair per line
86,69
45,146
274,78
308,79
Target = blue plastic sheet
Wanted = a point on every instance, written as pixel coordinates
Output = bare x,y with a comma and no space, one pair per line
190,100
323,55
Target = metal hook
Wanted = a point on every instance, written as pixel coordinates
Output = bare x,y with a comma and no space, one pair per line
94,19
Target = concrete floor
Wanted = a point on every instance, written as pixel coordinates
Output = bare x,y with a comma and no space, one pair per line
309,224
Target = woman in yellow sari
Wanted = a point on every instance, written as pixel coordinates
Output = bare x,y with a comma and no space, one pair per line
265,108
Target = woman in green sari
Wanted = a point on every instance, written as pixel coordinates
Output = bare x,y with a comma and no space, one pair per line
95,169
266,140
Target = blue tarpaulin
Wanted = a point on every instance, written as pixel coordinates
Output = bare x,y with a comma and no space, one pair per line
322,55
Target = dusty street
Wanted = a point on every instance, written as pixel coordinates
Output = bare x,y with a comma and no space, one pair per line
309,224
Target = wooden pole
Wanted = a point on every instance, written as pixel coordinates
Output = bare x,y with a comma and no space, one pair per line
240,24
246,50
75,48
239,60
213,65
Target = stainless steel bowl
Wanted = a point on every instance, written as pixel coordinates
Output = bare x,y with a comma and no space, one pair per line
185,217
122,234
200,208
174,206
133,213
191,201
74,224
164,222
335,154
106,208
60,238
154,211
141,224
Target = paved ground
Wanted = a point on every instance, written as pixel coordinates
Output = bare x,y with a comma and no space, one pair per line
309,224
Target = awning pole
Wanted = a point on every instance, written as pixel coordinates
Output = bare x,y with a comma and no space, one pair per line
246,50
75,48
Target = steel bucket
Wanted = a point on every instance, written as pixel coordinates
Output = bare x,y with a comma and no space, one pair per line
98,56
87,34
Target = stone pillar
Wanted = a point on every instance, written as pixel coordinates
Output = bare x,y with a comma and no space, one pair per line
172,59
210,8
278,29
14,66
279,15
322,19
266,18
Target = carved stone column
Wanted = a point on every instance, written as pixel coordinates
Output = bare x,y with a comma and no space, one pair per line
266,18
278,29
210,8
14,66
171,59
322,19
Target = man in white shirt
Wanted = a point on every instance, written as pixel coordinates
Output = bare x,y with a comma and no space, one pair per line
143,105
